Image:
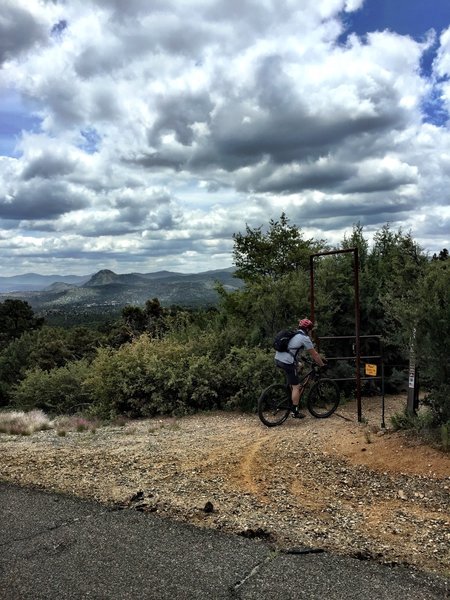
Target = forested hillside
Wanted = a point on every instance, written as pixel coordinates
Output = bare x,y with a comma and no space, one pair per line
159,360
101,297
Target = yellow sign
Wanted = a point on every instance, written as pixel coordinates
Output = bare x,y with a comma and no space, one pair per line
371,370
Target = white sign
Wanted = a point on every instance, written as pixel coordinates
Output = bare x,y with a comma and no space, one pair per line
411,377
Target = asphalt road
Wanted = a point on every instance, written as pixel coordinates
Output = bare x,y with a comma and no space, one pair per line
58,547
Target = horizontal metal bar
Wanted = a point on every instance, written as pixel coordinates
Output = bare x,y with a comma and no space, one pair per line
354,378
345,251
349,337
352,357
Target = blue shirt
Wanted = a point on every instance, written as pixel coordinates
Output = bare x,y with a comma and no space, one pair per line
301,341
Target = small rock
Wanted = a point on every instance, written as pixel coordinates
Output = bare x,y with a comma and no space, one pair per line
258,533
137,496
209,507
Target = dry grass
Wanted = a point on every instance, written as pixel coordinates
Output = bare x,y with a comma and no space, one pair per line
18,422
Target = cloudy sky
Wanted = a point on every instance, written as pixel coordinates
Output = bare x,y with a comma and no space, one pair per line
139,135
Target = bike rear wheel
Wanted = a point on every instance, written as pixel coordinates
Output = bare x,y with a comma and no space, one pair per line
274,404
323,398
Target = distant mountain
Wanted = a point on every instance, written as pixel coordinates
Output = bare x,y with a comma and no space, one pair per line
107,277
33,281
164,274
106,290
59,286
103,277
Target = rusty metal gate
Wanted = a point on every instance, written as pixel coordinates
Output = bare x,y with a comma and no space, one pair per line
357,336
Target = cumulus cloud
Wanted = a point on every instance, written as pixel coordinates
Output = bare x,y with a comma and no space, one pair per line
21,28
160,129
41,200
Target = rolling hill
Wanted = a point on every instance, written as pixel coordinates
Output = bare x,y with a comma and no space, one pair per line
106,289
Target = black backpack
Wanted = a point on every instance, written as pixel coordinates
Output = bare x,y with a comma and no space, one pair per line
281,340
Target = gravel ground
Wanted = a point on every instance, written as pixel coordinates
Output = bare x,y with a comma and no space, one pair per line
333,484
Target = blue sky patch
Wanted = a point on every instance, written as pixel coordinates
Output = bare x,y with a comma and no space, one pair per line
91,140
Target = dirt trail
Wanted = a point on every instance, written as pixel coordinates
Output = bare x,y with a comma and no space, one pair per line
333,483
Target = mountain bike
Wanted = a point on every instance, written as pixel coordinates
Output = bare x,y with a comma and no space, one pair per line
322,398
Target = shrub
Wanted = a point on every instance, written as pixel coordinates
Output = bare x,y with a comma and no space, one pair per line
141,378
424,425
200,383
245,372
438,400
397,381
445,436
57,391
148,377
417,422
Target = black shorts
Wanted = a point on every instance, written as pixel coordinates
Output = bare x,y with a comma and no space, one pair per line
290,371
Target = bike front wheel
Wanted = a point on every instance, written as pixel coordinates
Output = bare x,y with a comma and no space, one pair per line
323,398
274,404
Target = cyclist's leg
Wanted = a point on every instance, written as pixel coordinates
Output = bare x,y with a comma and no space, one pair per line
295,394
293,380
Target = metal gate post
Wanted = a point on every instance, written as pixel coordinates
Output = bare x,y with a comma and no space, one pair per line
357,333
311,289
357,312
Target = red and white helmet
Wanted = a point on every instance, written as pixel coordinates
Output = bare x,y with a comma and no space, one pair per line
305,324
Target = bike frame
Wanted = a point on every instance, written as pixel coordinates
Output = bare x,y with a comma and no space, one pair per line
273,399
310,376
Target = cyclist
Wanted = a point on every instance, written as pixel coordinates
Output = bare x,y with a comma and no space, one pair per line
288,360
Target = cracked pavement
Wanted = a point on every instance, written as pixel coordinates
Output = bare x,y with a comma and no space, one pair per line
56,546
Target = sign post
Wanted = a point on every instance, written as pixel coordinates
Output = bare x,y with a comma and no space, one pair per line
413,382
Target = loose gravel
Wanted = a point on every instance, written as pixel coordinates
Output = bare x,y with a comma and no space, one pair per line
330,484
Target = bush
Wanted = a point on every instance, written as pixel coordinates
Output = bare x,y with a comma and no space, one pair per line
245,372
57,391
346,372
438,400
424,425
416,422
148,377
119,382
397,382
445,436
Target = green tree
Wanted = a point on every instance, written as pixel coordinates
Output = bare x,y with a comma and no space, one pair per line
152,319
357,240
133,318
82,342
279,251
256,312
443,255
274,264
16,317
155,318
13,364
50,349
389,271
396,266
432,337
44,349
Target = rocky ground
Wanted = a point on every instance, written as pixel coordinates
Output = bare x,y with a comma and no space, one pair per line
334,484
